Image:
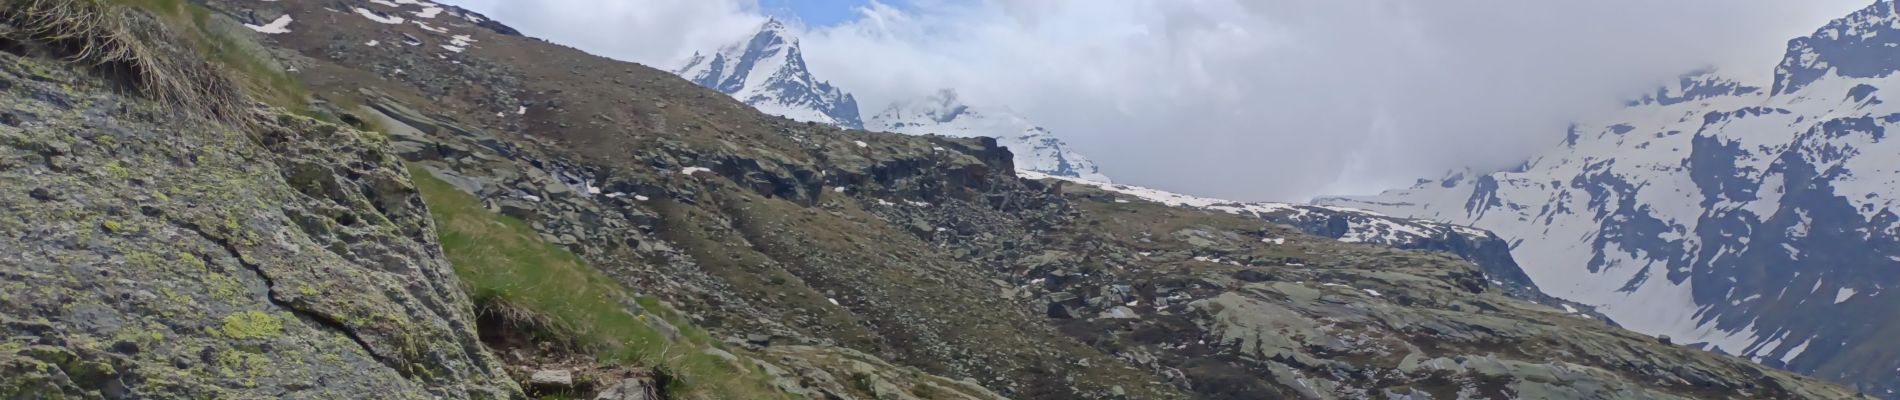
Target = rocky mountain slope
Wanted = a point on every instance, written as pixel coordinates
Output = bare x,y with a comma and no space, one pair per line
1754,220
768,71
1490,253
617,232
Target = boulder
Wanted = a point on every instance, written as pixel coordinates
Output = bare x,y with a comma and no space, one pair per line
551,380
633,388
758,340
1253,275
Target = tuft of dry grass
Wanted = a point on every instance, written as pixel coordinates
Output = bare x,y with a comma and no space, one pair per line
133,47
506,315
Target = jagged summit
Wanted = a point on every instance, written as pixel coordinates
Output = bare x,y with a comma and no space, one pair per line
772,24
768,71
1864,44
943,112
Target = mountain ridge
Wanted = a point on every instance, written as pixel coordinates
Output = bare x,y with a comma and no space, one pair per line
1757,222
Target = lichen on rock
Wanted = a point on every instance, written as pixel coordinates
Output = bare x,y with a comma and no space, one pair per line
151,252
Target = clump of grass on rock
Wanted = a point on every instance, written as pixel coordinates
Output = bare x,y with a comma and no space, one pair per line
130,45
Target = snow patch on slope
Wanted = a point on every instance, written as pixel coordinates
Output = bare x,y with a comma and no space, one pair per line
378,17
277,26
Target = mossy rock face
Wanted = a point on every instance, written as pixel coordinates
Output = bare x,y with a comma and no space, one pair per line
149,254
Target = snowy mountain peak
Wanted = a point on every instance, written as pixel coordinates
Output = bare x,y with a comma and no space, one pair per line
768,71
774,26
944,113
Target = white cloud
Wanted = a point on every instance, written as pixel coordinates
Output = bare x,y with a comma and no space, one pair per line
1245,99
652,32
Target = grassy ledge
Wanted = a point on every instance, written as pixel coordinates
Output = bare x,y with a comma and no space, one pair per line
503,261
229,46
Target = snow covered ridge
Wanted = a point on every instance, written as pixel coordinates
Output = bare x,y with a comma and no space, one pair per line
768,72
1364,226
943,113
1746,220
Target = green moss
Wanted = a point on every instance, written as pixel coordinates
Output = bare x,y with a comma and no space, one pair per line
251,325
861,382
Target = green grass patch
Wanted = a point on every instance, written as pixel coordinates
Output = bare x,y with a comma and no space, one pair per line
500,258
229,46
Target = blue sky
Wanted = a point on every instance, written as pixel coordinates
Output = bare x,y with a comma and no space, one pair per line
815,12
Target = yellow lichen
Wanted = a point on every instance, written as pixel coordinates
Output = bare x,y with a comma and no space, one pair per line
224,287
141,259
193,261
251,325
117,170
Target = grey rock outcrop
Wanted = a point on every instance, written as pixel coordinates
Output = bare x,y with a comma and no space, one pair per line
149,254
